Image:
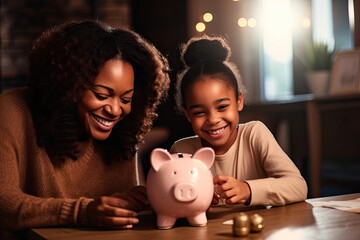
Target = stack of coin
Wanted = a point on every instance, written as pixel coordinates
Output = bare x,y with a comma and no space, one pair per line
241,225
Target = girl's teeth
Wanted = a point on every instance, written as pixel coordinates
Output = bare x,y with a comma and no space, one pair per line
217,131
102,121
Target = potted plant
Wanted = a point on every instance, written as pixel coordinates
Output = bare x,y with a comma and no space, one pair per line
317,59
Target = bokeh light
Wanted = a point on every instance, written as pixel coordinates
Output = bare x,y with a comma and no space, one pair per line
208,17
242,22
200,27
252,22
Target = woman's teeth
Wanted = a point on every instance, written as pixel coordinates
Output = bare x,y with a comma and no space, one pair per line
103,121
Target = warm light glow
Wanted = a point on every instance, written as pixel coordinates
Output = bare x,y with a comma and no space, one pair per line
351,14
252,22
277,29
306,23
277,55
242,22
208,17
295,233
200,27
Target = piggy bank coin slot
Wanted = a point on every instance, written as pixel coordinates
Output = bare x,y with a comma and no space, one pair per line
180,155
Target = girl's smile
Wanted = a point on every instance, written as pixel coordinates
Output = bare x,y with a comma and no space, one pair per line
216,133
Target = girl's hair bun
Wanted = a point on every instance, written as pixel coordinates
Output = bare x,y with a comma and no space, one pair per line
205,48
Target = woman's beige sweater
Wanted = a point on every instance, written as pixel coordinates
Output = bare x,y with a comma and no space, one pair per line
35,191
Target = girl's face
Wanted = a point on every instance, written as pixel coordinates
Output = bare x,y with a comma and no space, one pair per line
213,111
108,100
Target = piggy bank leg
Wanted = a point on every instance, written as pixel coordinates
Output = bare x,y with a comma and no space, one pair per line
198,220
165,222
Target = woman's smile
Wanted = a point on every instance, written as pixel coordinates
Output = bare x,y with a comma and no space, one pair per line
104,123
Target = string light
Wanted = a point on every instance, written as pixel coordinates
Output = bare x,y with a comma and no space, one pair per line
242,22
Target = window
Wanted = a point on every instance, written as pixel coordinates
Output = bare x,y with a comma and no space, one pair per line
285,20
276,49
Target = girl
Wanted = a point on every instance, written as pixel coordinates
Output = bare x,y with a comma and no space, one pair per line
249,166
69,139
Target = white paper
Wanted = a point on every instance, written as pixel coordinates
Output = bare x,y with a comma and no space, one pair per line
348,206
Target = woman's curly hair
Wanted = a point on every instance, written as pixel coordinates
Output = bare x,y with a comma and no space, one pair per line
64,62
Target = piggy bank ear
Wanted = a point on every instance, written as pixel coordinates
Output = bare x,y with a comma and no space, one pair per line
206,155
158,157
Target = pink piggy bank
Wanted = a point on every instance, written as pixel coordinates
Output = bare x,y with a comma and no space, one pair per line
180,186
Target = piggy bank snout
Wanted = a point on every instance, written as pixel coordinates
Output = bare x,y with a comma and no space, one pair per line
185,192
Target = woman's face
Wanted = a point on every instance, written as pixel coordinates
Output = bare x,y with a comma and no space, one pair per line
108,100
213,111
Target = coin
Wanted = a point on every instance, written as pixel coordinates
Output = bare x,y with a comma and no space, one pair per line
241,225
256,223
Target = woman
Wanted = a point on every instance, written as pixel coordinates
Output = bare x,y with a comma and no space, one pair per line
69,139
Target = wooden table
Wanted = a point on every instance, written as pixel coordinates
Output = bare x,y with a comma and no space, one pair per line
295,221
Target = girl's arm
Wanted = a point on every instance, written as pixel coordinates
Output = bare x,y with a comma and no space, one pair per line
284,183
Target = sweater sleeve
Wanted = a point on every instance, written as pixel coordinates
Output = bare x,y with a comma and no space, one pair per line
19,210
284,183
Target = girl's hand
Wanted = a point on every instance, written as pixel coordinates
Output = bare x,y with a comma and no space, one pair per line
109,212
135,200
215,201
233,190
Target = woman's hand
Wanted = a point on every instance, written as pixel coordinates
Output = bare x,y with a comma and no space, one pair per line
232,190
135,200
118,210
109,212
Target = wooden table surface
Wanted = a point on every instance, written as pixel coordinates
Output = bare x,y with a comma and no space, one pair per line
295,221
